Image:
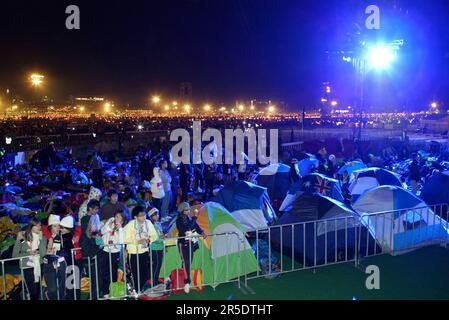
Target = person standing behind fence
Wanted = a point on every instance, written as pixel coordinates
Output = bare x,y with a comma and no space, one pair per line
187,226
415,174
109,210
90,228
209,177
31,243
138,233
166,184
113,239
59,252
157,247
157,189
174,173
185,180
97,171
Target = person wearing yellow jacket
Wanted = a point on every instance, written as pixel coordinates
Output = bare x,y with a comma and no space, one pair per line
139,233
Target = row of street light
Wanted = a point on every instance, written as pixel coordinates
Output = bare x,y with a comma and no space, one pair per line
174,106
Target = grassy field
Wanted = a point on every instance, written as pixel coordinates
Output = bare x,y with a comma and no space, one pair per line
422,274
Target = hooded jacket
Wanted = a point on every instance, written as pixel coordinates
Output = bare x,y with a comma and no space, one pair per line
157,189
94,193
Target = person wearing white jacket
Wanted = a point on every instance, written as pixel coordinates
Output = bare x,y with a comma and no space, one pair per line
113,240
157,189
94,194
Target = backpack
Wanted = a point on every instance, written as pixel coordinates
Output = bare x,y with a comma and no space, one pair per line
177,278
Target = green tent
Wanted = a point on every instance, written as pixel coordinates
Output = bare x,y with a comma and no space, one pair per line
222,257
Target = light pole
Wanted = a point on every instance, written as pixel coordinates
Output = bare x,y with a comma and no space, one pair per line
37,81
367,57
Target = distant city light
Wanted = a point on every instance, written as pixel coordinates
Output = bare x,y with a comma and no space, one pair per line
207,107
241,107
82,109
271,109
175,103
434,105
334,103
107,107
347,59
167,108
187,107
14,107
328,89
8,140
156,99
140,127
323,100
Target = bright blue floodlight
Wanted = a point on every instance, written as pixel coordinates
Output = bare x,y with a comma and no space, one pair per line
381,57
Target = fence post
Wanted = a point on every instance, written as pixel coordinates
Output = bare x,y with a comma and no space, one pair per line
4,280
73,270
23,280
90,278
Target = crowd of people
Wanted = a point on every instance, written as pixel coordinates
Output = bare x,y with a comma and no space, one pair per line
96,213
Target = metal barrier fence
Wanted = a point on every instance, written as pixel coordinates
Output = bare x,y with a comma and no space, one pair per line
225,244
313,244
296,246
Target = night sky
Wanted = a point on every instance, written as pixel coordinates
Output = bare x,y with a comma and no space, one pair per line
227,49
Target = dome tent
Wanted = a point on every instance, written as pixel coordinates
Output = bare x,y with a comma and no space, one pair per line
222,257
350,167
405,222
312,183
248,203
369,178
318,230
276,179
436,189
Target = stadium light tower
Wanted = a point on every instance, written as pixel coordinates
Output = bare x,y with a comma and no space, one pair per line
369,57
380,57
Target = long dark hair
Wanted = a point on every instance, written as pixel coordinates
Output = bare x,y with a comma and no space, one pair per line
32,223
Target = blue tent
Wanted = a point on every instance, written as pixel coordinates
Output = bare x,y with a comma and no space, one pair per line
319,230
399,220
351,167
307,165
248,203
369,178
436,189
276,179
436,192
312,183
